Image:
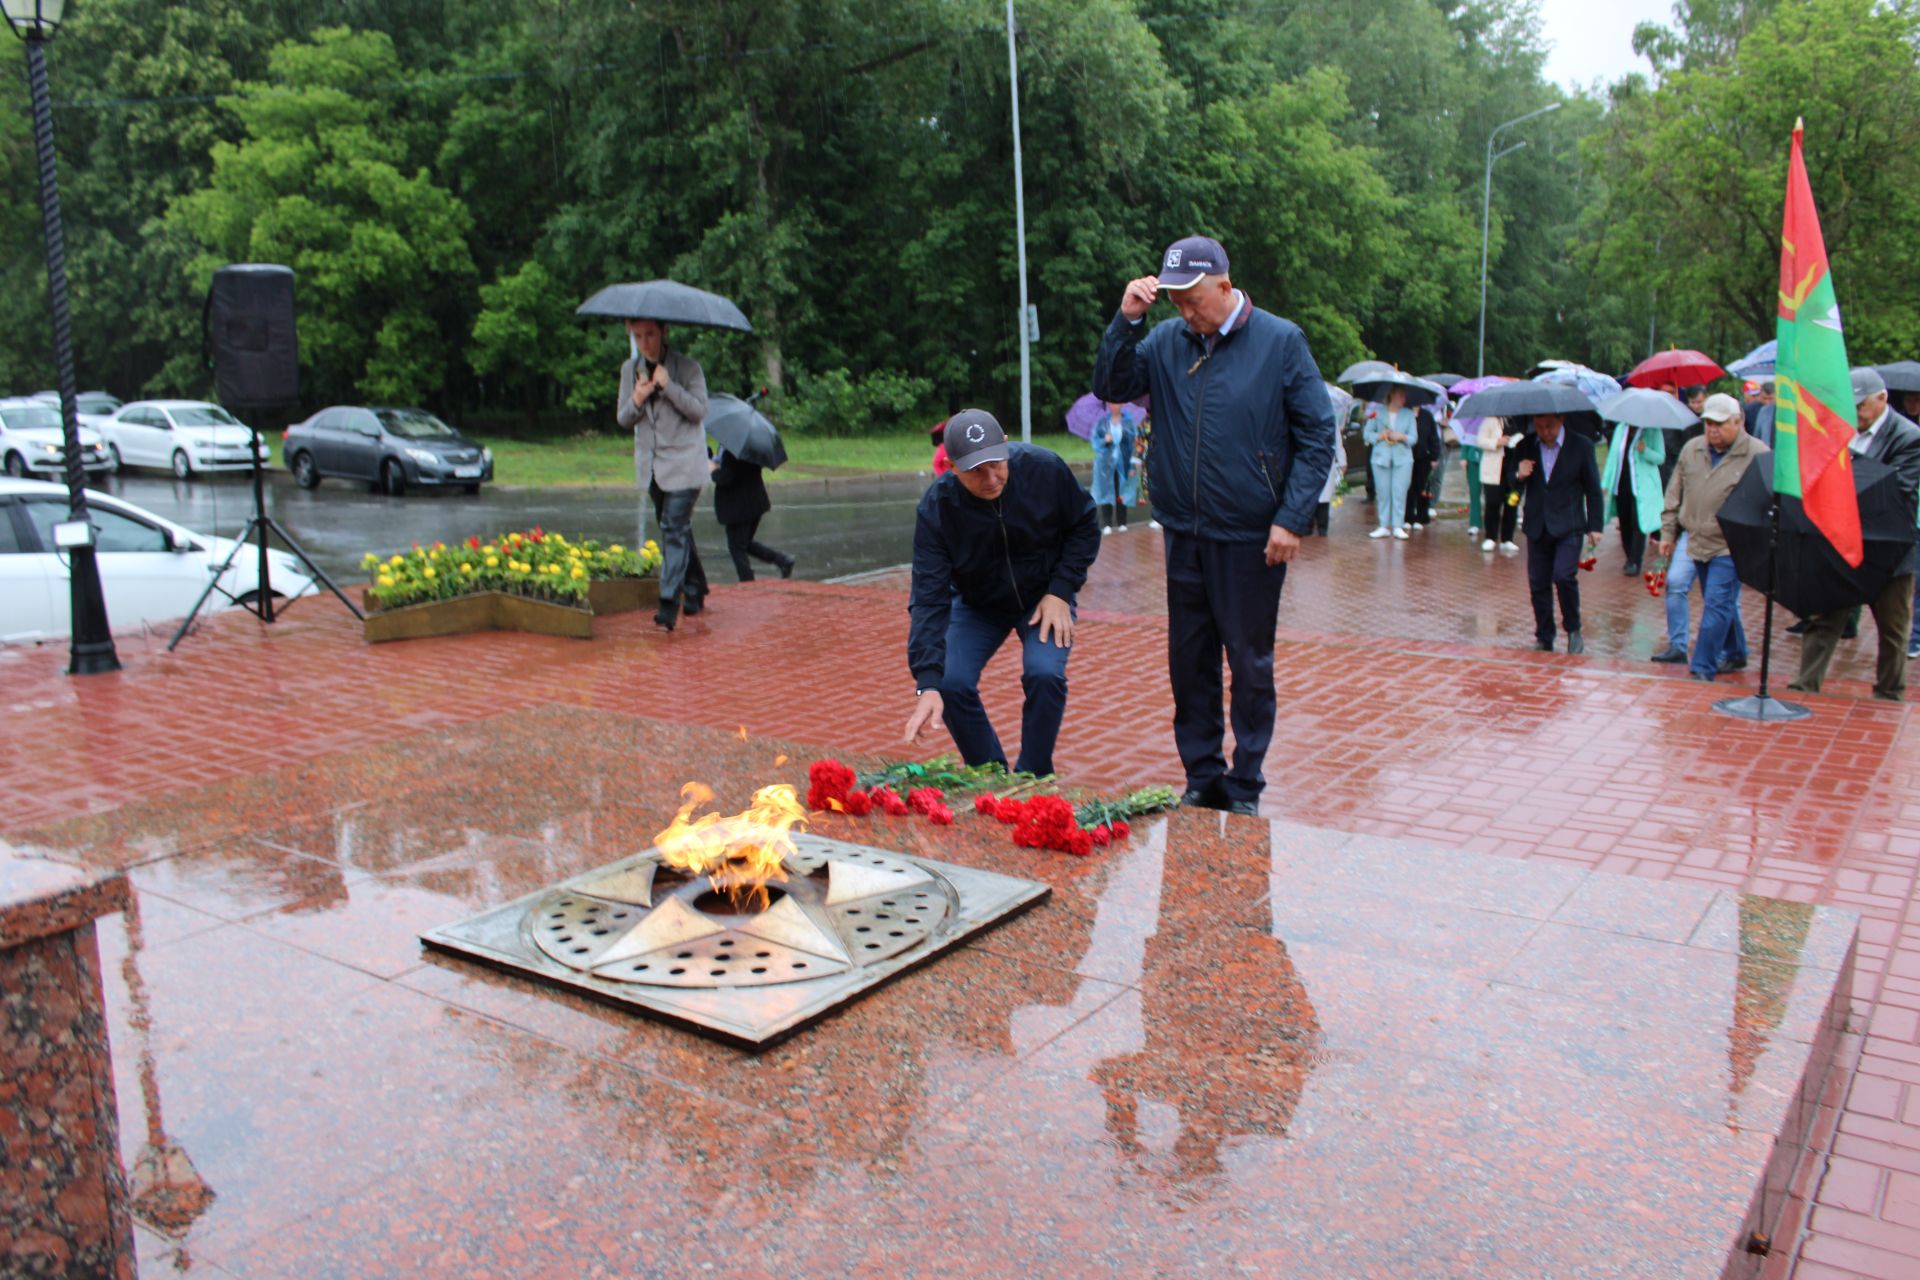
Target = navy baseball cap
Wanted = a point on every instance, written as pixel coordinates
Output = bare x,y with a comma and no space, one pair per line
973,437
1186,261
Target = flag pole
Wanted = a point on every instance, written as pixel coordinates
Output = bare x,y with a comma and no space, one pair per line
1761,706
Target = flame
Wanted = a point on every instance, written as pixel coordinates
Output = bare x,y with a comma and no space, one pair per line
738,853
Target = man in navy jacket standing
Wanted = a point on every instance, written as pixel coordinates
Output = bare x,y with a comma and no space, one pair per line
1001,544
1243,435
1563,515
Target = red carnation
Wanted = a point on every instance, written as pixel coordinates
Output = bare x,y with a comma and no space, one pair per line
940,815
1010,811
1121,831
474,542
1102,835
985,804
827,781
1079,844
922,799
889,800
859,803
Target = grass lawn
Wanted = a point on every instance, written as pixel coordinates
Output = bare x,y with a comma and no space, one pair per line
592,458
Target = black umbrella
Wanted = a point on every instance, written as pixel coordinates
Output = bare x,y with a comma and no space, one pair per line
1376,387
1901,375
1445,379
744,431
1805,573
1524,399
666,301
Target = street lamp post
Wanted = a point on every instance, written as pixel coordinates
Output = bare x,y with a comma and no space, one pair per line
1020,240
1486,209
92,653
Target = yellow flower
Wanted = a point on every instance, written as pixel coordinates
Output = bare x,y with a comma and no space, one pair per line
578,572
466,568
493,561
386,580
397,560
489,548
369,560
615,549
433,555
430,573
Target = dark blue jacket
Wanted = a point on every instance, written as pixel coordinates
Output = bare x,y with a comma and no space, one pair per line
1242,439
1038,538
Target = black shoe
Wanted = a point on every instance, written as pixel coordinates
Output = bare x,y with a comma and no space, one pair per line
1732,664
694,606
1245,808
1544,646
1701,676
1851,633
1574,643
1798,628
1203,798
1632,567
1671,655
786,567
666,615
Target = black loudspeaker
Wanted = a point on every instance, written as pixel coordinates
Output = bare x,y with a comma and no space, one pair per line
251,338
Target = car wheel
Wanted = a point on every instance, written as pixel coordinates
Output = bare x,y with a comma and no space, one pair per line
182,469
393,478
16,465
118,461
305,474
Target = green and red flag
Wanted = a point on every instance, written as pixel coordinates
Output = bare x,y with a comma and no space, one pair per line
1813,413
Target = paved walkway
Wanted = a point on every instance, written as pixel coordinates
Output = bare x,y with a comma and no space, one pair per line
1411,706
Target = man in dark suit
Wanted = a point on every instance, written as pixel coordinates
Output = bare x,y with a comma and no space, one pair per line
1563,514
1888,438
740,500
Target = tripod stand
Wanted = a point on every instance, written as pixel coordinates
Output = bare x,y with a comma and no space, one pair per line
258,525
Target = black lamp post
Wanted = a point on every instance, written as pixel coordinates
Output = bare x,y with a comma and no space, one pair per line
35,21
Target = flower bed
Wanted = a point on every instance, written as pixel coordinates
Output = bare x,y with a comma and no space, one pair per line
523,581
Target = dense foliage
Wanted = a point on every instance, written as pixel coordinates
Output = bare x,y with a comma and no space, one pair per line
449,180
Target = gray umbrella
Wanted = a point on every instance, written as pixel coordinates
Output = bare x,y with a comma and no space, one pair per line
666,301
1901,375
1523,400
1644,407
1376,387
1365,369
744,431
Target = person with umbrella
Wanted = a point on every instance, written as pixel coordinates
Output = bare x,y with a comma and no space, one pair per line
1389,433
1888,438
1001,544
1704,478
1499,460
663,401
1632,486
1113,467
740,502
1562,495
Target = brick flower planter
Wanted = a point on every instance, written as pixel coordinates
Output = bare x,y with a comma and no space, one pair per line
499,611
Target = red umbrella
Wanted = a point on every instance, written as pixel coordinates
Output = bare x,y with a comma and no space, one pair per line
1682,368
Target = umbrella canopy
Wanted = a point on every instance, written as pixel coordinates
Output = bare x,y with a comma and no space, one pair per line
744,431
1757,363
1376,387
1682,368
1524,399
666,301
1465,427
1089,409
1365,369
1445,379
1592,384
1901,375
1342,405
1812,578
1642,407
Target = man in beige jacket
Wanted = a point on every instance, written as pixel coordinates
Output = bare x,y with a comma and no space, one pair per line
1704,477
663,400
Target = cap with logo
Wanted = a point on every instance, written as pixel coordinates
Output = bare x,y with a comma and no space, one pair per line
973,437
1186,261
1867,383
1720,407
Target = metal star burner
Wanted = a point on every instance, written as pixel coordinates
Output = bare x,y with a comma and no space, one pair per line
643,934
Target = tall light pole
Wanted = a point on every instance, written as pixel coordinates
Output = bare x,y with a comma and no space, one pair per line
1486,210
1020,240
92,652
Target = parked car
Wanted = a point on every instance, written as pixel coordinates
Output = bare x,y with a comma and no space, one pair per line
151,569
184,436
393,448
89,404
31,440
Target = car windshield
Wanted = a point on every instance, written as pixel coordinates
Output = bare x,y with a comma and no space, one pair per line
97,404
203,415
28,417
414,424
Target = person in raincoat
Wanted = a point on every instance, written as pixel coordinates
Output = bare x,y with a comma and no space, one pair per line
1633,491
1114,482
1390,431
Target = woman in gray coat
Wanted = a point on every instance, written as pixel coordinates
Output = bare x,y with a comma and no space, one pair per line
663,399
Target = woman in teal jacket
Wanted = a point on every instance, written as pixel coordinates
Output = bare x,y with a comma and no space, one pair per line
1635,490
1389,431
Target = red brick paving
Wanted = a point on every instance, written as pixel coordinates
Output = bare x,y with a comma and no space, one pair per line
1409,707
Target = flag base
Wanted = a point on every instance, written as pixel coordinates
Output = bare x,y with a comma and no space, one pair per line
1761,707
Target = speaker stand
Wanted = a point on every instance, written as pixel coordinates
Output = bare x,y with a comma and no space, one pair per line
258,526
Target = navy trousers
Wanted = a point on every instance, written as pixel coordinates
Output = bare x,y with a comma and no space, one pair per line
1222,596
1553,565
973,638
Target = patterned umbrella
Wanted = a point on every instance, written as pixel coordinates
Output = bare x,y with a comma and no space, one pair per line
1591,383
1757,363
1089,409
1342,405
1464,429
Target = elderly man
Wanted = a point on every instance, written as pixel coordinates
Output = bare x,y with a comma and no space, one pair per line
1888,438
663,400
1242,441
1563,515
1001,543
1703,479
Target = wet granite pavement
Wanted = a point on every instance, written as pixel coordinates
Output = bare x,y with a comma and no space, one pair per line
1248,1047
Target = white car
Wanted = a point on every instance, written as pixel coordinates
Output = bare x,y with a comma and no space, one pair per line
184,436
151,570
31,440
89,404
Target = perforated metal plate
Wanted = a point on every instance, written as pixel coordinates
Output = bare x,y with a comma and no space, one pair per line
847,918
